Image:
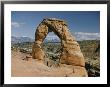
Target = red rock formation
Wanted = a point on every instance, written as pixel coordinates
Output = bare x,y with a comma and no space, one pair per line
71,53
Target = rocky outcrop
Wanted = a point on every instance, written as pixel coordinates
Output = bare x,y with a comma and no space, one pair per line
71,53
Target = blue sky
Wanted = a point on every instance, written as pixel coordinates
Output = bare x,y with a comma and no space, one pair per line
24,23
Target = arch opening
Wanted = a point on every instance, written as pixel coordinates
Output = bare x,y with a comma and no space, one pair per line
52,48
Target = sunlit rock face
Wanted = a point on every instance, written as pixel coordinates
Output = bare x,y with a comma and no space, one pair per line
71,53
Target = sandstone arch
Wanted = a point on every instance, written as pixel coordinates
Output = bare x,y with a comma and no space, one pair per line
71,53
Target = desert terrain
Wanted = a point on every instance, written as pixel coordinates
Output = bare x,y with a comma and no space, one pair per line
32,67
22,64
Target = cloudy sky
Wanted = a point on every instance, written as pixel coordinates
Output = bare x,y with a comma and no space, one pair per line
82,24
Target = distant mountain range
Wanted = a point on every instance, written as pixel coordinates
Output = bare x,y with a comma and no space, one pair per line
28,39
20,39
78,35
52,40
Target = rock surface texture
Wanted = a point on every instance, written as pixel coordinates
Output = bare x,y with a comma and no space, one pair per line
71,53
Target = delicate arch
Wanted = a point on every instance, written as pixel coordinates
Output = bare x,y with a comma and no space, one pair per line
71,53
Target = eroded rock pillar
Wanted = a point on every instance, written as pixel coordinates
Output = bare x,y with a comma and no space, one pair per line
40,34
71,53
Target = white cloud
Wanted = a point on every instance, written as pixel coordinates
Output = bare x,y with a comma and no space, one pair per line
52,36
87,36
16,24
86,33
